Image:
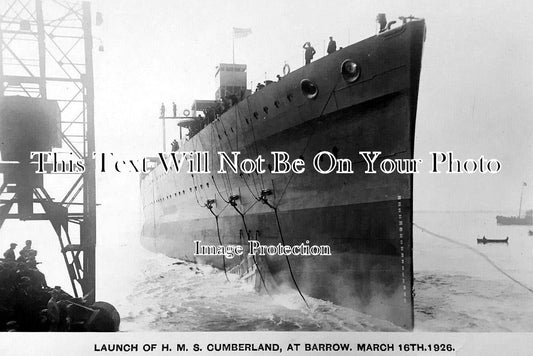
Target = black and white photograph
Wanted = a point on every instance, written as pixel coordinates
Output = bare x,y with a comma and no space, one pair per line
299,177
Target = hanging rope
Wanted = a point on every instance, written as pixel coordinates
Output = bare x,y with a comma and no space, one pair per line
209,206
232,199
218,190
234,205
256,197
264,194
263,198
196,192
485,257
265,201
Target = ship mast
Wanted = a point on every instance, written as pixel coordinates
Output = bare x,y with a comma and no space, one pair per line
521,195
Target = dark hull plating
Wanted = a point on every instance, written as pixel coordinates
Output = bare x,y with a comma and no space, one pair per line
365,218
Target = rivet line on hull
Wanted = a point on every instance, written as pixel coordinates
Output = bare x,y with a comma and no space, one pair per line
402,254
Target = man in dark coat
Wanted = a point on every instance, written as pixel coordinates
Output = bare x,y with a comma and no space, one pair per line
10,252
309,52
332,45
26,249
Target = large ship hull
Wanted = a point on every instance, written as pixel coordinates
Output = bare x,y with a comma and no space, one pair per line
366,219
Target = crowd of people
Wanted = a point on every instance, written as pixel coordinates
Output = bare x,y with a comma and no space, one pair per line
27,303
23,290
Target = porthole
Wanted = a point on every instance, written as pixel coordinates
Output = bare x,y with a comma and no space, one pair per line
350,71
309,89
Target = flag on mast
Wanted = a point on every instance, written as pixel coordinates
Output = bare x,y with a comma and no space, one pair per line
241,32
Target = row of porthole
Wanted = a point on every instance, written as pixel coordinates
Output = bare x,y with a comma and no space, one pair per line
277,104
178,193
350,72
334,150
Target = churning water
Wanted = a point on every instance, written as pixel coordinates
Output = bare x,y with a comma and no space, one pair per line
456,288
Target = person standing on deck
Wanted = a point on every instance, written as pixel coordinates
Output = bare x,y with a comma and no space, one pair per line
309,52
381,19
332,45
162,110
174,109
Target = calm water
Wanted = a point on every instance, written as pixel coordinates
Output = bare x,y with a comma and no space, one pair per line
456,289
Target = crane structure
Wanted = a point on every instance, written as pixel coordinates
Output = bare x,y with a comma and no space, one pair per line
47,103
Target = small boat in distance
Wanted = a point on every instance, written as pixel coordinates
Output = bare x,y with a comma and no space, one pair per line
484,240
519,219
516,220
530,233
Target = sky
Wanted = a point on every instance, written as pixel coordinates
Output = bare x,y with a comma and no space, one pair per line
475,90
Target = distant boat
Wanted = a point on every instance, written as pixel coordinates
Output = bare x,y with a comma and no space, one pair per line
530,233
517,220
484,240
